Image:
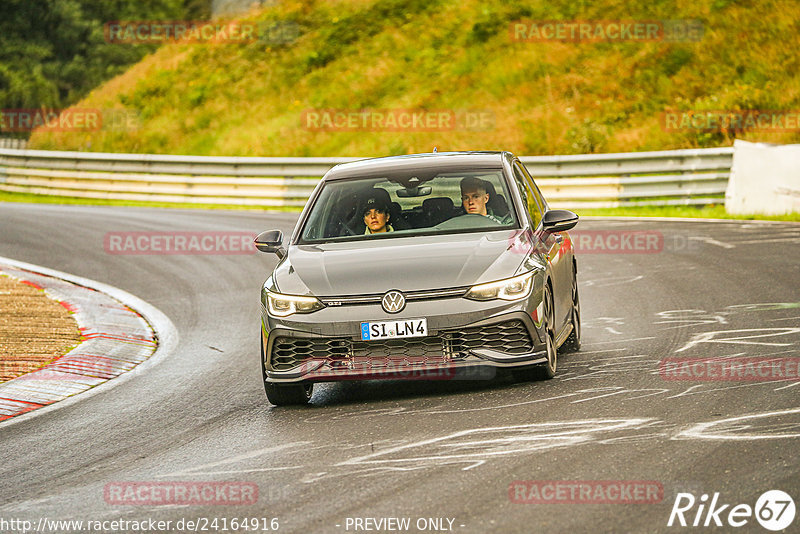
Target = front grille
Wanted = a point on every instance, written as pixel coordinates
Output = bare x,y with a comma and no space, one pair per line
288,351
510,337
422,347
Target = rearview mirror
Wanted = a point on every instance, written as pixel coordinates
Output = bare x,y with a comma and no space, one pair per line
558,220
408,192
271,241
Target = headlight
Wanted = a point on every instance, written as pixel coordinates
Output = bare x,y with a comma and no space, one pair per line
283,305
515,288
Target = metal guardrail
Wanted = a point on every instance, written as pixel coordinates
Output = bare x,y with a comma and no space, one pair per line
671,177
9,142
695,176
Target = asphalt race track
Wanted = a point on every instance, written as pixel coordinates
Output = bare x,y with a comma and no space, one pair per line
444,454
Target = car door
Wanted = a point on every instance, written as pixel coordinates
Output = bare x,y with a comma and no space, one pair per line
559,252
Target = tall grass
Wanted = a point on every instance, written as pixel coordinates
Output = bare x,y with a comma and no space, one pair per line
545,97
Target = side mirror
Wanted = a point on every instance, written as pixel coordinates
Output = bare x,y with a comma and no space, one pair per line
558,220
271,241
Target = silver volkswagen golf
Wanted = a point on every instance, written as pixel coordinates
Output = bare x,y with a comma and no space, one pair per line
427,266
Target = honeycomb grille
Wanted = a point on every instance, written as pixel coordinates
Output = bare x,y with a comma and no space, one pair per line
395,353
287,352
510,337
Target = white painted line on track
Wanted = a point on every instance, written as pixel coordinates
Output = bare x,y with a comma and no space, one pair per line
712,241
775,240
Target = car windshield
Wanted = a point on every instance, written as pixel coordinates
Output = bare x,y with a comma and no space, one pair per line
406,205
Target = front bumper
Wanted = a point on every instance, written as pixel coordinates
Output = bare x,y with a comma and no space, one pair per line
472,351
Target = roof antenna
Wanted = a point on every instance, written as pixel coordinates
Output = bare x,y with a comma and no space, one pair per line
435,150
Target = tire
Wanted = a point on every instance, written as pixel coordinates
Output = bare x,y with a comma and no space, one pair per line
288,395
547,370
284,395
573,342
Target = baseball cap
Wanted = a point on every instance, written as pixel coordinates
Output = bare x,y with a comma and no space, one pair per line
375,203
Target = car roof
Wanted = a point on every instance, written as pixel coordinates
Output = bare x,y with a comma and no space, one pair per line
411,162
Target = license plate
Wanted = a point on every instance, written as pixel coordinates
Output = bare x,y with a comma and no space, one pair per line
394,329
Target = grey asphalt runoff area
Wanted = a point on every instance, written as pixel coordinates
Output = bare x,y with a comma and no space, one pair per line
466,457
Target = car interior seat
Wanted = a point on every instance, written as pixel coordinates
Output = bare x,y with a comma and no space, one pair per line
496,203
437,209
342,216
398,221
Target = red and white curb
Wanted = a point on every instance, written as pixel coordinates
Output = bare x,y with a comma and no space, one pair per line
119,332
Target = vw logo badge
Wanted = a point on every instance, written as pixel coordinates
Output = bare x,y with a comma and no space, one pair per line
393,301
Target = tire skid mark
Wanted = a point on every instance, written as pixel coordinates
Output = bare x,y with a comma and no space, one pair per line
746,427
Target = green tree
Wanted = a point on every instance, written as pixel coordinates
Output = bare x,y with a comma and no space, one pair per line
53,52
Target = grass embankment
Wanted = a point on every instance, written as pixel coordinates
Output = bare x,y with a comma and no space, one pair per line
55,199
545,97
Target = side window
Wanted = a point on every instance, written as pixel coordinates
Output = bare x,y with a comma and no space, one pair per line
522,186
529,193
535,188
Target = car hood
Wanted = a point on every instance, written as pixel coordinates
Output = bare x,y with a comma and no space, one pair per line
407,264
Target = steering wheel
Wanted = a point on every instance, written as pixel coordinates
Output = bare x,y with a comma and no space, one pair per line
468,220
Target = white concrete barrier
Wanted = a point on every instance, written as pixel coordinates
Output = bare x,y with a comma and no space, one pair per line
765,179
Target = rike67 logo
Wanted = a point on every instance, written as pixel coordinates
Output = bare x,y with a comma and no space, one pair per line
774,510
